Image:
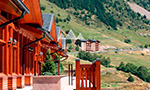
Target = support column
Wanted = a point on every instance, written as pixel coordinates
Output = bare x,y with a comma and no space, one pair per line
18,54
58,67
78,74
11,52
97,76
69,72
6,51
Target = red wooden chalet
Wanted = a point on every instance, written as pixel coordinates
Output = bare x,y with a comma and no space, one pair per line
24,40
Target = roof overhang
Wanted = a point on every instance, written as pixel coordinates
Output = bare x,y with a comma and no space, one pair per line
37,32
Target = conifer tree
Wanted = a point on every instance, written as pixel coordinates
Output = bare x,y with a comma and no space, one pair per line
48,66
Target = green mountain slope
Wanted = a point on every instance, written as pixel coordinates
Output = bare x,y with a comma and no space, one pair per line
113,13
97,29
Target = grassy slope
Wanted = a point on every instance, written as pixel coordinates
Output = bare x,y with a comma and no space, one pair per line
134,57
107,37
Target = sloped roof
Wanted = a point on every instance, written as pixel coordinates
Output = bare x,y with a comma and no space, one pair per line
70,35
58,33
80,36
63,43
81,40
62,36
47,21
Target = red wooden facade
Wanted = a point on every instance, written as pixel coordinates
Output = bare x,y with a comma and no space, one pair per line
14,36
88,76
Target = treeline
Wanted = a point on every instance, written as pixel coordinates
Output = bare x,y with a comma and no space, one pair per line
92,56
96,7
141,72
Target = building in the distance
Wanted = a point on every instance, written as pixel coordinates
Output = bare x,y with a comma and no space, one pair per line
88,45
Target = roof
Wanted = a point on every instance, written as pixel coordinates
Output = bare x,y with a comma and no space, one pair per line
63,43
58,33
84,40
47,21
80,36
70,35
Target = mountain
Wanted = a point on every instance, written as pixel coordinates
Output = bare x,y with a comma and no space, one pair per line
112,22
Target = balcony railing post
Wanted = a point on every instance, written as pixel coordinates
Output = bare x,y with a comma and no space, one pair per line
97,74
59,67
78,74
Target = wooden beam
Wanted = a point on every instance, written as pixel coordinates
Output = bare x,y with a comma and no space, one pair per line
78,74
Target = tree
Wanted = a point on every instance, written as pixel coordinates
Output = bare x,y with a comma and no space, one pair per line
107,62
127,40
77,48
130,67
142,72
144,16
89,56
68,18
43,8
121,66
58,14
130,79
146,46
57,20
81,54
48,66
148,78
57,57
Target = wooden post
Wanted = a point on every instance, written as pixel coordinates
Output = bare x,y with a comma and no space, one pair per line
97,76
69,72
58,67
18,43
78,74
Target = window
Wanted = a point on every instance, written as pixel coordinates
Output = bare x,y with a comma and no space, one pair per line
97,46
88,46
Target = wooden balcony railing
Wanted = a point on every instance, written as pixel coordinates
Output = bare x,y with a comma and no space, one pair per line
88,75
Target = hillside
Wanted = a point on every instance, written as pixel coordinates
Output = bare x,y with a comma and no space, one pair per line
113,13
98,30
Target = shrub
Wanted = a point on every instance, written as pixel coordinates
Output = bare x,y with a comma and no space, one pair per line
91,57
43,8
52,11
130,79
83,12
58,14
142,54
70,47
57,20
68,41
146,46
64,20
127,40
77,48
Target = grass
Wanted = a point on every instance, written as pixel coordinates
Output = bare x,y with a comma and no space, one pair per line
134,57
